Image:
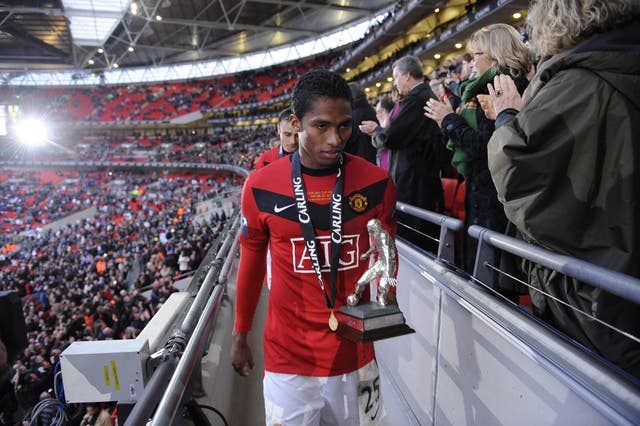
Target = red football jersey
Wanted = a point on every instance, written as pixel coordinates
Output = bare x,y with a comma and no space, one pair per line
297,338
267,157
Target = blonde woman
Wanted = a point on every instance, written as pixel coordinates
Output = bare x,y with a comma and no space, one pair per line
496,49
566,162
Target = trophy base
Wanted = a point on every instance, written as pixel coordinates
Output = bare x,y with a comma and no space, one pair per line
369,322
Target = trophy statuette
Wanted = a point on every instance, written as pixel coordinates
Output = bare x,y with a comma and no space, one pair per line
378,320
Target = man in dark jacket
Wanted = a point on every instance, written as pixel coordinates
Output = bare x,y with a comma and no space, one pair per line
414,142
566,165
360,143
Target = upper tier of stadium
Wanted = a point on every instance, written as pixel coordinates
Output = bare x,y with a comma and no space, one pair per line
45,43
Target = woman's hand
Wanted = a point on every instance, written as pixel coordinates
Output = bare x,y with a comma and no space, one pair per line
487,106
504,94
368,127
436,110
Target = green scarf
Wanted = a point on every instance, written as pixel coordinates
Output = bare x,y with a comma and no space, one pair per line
469,90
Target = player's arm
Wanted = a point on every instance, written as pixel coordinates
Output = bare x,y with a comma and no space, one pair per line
252,268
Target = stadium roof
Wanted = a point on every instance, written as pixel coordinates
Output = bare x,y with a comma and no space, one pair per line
102,34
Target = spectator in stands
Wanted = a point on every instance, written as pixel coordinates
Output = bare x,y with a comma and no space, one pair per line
463,73
288,141
360,143
566,162
443,94
384,109
415,142
96,416
312,376
496,49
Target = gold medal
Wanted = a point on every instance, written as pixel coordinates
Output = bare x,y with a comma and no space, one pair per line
333,322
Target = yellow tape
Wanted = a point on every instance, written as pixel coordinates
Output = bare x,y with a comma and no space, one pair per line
116,382
107,382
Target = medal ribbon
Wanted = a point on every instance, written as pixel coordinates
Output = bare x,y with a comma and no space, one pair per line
308,233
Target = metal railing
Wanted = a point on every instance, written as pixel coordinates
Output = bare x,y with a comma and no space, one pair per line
448,227
614,282
129,165
168,383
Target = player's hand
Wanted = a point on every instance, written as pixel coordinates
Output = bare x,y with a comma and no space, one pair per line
241,356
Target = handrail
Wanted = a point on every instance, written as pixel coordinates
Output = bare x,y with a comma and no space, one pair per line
173,395
433,217
448,227
130,165
188,334
609,280
226,268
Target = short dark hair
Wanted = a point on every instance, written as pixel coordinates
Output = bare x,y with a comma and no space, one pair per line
318,83
285,115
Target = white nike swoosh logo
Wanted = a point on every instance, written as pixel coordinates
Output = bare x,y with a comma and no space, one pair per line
277,209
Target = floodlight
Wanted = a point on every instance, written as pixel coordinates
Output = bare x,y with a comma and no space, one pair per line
31,132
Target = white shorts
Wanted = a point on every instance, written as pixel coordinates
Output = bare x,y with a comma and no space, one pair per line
351,399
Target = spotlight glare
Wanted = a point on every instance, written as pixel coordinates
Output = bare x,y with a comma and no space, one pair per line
517,15
389,79
437,56
458,45
31,132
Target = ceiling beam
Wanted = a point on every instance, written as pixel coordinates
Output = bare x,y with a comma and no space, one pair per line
330,6
239,27
20,33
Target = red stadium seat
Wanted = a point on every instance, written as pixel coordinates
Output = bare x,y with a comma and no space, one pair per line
454,192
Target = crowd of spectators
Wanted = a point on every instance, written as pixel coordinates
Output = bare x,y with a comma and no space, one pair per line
26,200
81,280
239,146
162,102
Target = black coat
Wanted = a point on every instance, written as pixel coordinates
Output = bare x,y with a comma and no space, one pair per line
360,143
481,201
415,143
481,198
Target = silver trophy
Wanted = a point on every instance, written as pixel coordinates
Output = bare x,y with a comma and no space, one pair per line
384,267
371,321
